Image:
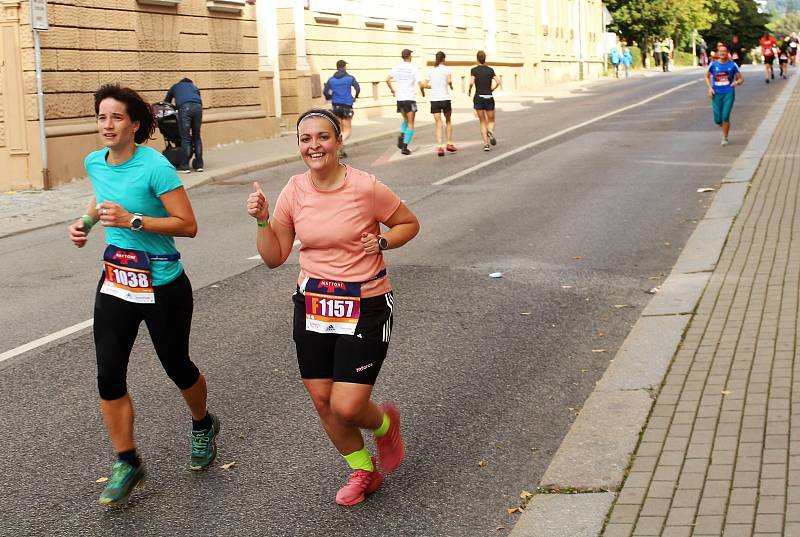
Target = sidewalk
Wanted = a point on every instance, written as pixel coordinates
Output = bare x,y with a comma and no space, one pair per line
721,451
28,210
696,423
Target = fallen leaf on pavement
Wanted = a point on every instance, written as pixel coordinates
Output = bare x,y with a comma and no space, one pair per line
512,510
481,463
500,528
102,480
654,290
228,465
495,274
525,495
566,287
525,313
577,257
726,392
598,350
600,334
620,306
584,370
705,189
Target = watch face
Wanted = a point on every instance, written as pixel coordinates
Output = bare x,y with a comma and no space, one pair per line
383,243
136,223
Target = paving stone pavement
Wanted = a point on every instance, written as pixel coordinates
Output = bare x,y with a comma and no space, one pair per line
720,454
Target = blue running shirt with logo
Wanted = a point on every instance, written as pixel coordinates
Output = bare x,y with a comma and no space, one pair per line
137,185
722,76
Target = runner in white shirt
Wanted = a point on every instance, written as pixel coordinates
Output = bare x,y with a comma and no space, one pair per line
407,77
440,81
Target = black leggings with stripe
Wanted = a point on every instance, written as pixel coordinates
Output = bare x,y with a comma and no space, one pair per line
169,321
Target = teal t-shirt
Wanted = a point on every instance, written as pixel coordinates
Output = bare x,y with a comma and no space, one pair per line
137,185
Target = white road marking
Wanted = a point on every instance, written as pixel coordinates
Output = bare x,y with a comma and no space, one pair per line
45,340
87,323
562,132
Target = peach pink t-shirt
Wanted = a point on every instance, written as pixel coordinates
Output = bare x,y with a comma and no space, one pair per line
329,224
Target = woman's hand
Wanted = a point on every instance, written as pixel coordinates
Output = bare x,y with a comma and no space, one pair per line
114,215
78,234
370,244
257,204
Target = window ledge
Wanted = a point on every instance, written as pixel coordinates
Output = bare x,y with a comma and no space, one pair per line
228,6
164,3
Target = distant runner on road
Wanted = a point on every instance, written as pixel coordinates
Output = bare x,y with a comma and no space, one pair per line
407,78
768,46
485,81
339,91
722,77
440,81
142,205
344,304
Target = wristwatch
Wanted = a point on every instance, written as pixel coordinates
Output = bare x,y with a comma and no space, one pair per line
136,222
383,244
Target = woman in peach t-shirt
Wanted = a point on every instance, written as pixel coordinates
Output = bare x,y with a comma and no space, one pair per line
343,305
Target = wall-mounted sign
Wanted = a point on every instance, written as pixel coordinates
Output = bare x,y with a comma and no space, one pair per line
39,15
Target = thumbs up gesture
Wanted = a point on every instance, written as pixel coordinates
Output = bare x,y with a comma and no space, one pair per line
257,204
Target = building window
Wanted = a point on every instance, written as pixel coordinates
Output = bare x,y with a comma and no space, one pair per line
458,14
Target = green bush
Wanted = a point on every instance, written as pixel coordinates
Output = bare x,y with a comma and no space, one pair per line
636,52
680,57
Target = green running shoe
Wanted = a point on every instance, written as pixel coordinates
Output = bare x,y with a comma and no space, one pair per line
204,445
123,480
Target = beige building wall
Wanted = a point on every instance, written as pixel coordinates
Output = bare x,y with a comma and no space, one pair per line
528,43
145,44
258,66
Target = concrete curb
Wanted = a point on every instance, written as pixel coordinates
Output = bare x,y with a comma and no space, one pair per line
601,442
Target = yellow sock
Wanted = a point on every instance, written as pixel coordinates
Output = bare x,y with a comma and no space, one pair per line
360,460
384,428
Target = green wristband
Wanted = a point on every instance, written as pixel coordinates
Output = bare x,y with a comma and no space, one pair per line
87,222
263,223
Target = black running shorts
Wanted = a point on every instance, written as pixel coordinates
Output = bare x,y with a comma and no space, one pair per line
357,358
343,111
769,59
483,103
441,106
406,106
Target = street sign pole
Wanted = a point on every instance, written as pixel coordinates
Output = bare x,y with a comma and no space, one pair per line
38,9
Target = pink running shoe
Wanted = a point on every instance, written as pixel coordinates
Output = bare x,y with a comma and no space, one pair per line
451,148
391,448
359,484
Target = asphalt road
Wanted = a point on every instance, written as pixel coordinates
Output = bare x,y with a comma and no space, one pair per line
488,372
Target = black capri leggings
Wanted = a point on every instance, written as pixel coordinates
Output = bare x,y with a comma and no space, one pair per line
169,320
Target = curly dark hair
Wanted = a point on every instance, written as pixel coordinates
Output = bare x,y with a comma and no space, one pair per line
138,109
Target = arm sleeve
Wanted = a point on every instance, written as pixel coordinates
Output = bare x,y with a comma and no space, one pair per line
170,95
357,87
385,203
283,207
326,90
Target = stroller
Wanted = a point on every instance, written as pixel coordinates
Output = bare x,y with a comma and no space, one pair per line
167,120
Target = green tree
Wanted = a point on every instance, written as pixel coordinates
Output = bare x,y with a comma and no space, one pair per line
785,24
747,23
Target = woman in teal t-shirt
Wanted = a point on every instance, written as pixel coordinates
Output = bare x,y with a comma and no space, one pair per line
142,204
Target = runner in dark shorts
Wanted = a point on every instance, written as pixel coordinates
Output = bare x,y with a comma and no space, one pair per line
407,78
343,302
339,90
485,81
440,82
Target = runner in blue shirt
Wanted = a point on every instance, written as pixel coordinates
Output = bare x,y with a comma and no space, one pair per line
722,77
339,91
142,205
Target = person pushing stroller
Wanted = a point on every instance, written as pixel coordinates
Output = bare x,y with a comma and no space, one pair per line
190,118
